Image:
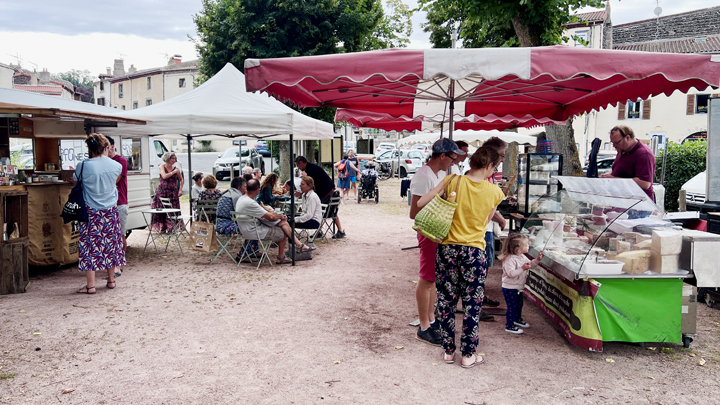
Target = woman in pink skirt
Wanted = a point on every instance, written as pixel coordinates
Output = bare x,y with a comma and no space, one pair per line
100,246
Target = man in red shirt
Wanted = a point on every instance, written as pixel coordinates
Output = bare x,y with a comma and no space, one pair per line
634,159
121,183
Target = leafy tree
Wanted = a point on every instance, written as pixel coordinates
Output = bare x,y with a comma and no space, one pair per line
395,28
683,162
83,82
511,23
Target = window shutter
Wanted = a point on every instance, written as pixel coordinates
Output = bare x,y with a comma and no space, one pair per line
716,95
621,111
646,109
690,109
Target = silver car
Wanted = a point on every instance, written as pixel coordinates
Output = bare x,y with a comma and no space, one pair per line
409,161
229,161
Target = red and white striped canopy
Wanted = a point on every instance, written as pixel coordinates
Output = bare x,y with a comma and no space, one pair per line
370,119
555,82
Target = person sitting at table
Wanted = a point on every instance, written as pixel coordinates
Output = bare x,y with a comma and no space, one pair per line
224,224
311,208
267,186
197,187
210,193
272,226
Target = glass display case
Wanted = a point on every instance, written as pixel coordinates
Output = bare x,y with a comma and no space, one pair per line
603,228
537,178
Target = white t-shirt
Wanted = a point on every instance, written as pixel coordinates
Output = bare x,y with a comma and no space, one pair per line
247,205
196,190
425,180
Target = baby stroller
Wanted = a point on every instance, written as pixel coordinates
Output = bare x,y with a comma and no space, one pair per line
368,184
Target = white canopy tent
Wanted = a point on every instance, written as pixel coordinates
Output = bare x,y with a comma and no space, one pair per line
475,138
221,108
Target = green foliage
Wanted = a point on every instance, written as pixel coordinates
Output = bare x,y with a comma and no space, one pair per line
684,161
79,78
501,23
5,376
205,147
17,159
394,29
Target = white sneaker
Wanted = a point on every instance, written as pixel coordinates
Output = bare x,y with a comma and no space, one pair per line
514,330
521,323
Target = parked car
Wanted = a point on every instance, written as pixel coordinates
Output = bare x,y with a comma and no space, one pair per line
229,159
695,191
349,145
425,149
383,147
262,148
408,163
603,165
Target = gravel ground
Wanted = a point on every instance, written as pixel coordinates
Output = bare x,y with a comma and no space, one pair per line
178,330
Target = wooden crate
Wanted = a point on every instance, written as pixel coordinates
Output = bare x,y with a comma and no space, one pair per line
14,276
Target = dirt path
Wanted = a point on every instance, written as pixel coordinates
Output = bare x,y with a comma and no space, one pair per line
332,330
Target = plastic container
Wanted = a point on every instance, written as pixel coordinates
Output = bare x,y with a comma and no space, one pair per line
602,267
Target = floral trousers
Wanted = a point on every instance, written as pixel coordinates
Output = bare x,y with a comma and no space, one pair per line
460,273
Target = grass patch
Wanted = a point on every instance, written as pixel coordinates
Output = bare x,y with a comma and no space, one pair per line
5,376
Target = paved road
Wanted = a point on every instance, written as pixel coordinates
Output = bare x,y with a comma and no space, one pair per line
203,162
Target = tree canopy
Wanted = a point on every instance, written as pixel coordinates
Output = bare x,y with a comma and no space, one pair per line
83,82
501,22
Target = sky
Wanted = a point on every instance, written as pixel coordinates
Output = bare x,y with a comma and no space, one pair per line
89,34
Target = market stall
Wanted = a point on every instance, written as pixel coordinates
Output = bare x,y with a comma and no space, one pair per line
611,268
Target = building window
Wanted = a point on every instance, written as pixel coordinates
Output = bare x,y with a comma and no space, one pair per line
181,83
701,103
149,83
123,106
634,109
102,86
135,105
101,101
581,38
120,90
148,102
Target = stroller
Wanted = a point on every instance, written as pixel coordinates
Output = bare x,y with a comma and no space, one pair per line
368,184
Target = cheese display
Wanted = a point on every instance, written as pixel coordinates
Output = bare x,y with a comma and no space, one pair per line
666,242
664,263
645,244
636,261
623,246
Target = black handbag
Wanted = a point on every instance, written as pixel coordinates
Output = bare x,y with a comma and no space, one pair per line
74,209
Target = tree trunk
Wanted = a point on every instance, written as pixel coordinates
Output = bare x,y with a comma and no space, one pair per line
284,160
309,147
510,163
563,138
526,35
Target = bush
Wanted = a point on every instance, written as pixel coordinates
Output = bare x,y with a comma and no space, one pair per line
683,163
205,147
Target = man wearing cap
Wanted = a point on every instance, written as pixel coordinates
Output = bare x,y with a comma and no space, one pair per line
444,154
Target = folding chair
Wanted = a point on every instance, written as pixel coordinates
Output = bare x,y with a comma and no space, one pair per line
263,244
207,208
330,211
178,219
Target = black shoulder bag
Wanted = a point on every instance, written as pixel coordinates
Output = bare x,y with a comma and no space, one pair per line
74,209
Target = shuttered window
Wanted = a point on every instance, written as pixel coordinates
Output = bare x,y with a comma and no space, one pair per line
646,109
621,111
690,107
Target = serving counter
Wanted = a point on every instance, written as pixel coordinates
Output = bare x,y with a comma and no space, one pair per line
610,269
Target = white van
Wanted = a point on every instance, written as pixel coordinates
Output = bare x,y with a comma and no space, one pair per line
695,192
143,154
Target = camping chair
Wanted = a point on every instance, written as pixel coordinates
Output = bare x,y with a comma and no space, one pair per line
226,241
330,211
309,235
178,219
206,208
263,244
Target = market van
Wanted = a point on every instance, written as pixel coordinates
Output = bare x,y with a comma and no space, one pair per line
143,154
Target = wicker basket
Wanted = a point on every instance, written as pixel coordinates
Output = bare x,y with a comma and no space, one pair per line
436,217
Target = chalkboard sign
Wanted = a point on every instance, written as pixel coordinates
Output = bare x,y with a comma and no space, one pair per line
14,126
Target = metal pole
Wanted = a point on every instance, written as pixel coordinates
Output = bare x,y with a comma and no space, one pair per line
239,160
292,201
189,180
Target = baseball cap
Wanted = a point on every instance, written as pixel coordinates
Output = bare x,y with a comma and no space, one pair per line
445,145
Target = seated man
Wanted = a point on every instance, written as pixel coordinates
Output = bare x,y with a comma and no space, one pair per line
273,227
370,170
224,223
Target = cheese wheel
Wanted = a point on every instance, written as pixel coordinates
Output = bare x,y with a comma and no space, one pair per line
636,261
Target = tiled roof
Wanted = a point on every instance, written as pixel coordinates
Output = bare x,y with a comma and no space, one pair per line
49,90
684,45
593,16
692,24
21,74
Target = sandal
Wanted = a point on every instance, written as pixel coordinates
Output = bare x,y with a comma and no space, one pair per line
305,248
111,286
280,261
87,290
478,360
119,274
449,358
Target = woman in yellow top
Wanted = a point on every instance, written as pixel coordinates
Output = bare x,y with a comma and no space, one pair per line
460,265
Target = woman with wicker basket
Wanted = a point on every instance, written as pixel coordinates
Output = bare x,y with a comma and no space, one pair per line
461,266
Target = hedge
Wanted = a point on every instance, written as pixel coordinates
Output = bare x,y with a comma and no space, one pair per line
684,161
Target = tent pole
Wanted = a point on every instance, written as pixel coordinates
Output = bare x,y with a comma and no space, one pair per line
292,202
452,109
239,159
189,179
332,157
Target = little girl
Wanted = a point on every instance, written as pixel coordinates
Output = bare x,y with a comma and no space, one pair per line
515,270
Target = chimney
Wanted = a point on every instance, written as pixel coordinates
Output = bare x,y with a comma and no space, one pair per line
175,60
108,71
118,67
43,77
132,69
